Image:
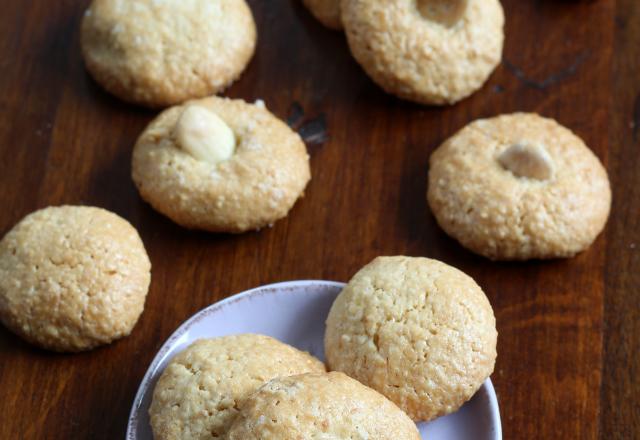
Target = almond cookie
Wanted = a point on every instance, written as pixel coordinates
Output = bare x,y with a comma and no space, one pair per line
220,165
199,394
420,332
517,187
328,406
72,278
427,51
326,12
161,53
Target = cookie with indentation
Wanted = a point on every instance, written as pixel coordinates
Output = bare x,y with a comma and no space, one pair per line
328,406
201,391
418,331
518,187
220,165
428,51
161,53
72,278
326,12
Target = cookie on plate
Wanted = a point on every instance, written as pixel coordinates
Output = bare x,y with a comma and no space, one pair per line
326,12
72,278
418,331
199,393
517,187
220,165
160,53
427,51
329,406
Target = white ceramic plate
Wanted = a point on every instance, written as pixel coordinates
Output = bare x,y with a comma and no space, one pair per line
294,312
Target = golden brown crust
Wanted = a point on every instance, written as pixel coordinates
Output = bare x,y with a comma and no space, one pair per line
422,59
330,406
420,332
72,278
162,53
257,186
495,213
200,392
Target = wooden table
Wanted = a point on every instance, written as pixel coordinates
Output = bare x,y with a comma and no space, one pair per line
568,363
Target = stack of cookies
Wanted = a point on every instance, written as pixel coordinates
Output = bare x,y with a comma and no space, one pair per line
407,340
253,386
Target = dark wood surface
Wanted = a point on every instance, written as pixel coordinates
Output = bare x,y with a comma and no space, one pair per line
568,362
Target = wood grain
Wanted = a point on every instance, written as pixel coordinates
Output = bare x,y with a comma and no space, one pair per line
620,412
569,330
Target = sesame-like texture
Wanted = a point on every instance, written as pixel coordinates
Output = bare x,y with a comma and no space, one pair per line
200,392
325,406
159,53
257,186
72,278
326,12
421,58
492,212
420,332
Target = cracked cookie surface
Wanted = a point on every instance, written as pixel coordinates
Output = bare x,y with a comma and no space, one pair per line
161,53
428,51
72,278
329,406
418,331
253,188
200,392
504,214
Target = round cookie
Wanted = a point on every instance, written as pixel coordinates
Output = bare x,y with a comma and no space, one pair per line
420,332
517,187
160,53
328,406
326,12
252,188
199,393
429,51
72,278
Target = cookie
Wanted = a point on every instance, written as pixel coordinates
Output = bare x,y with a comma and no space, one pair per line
418,331
518,187
161,53
328,406
326,12
429,51
220,165
199,393
72,278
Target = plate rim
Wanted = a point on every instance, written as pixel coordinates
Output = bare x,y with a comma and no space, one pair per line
183,328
